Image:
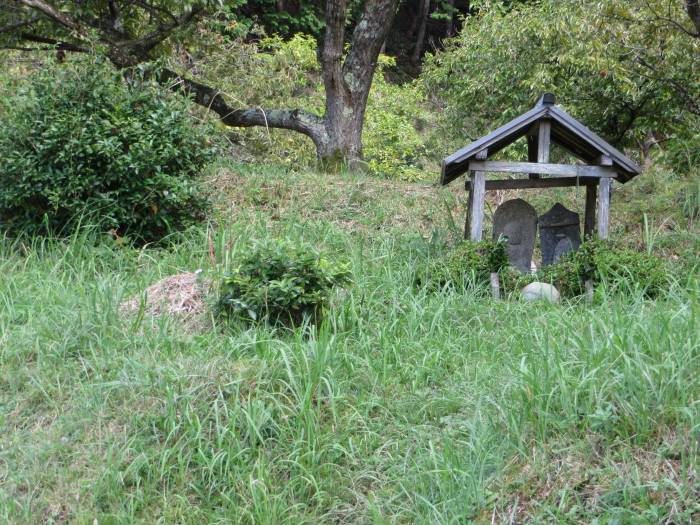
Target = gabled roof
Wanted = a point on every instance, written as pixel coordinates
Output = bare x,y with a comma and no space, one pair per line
566,131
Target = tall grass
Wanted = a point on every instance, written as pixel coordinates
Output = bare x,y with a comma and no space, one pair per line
404,406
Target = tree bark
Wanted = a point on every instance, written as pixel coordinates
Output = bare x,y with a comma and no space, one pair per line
450,22
347,83
423,12
693,8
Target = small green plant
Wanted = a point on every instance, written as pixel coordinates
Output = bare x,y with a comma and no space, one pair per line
81,139
280,282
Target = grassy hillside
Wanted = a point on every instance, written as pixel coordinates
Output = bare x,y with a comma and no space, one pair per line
404,406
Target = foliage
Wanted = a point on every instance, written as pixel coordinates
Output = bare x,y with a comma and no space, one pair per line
281,282
621,270
128,32
393,145
278,73
468,261
80,140
624,69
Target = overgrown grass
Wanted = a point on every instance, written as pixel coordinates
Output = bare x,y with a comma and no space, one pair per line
404,406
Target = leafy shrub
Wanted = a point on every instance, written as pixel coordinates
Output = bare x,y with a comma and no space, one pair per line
280,282
601,261
468,260
392,144
612,64
82,140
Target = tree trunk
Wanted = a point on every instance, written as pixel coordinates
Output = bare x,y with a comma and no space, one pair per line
693,7
347,83
423,12
450,22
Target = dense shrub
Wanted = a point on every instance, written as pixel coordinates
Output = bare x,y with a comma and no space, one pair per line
280,282
618,66
620,270
469,261
81,140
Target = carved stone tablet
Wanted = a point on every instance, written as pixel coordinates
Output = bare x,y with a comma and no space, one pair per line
560,233
517,220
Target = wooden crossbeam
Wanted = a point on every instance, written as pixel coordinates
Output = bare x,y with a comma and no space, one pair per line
551,182
561,170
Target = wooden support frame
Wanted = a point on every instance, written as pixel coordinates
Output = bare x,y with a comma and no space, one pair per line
539,143
475,213
550,182
589,214
596,178
604,191
560,170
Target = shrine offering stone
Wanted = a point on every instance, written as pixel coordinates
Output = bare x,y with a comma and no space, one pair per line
560,232
540,291
517,221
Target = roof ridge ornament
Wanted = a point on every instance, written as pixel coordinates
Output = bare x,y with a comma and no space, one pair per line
547,99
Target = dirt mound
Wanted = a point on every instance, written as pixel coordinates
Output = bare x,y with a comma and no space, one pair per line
180,296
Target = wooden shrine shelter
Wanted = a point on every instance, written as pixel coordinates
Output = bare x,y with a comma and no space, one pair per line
543,125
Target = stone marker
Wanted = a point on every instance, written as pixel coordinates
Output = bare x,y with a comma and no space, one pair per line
538,291
560,232
517,220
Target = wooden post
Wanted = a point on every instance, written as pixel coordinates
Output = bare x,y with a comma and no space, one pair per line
604,189
589,291
532,152
495,286
589,215
543,141
478,193
470,204
538,145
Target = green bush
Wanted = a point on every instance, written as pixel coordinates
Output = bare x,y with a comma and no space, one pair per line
279,282
619,269
392,144
81,140
468,261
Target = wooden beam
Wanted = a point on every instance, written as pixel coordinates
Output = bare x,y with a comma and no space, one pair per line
478,193
563,170
604,160
550,182
483,154
604,189
589,214
532,152
544,141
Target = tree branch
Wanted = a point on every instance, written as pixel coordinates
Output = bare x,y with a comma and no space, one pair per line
147,42
333,42
53,13
367,40
18,24
55,44
212,99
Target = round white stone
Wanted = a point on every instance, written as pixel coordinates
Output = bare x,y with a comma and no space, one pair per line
537,291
